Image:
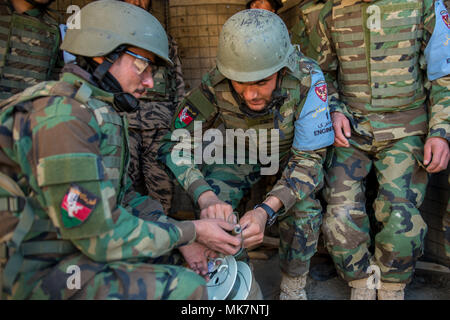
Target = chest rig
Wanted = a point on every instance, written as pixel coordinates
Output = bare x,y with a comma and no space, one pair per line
378,47
28,49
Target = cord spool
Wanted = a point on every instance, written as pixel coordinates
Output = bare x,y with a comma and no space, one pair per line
231,281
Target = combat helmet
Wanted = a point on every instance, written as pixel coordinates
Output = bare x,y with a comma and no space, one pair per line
276,4
108,24
253,45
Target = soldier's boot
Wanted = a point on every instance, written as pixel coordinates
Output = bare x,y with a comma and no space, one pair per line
293,288
360,291
391,291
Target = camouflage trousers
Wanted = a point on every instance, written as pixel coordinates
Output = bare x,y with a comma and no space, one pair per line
299,228
402,184
147,173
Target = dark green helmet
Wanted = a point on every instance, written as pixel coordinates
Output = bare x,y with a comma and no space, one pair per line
253,45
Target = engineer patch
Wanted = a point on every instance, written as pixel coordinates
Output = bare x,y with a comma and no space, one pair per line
444,15
77,205
321,90
185,117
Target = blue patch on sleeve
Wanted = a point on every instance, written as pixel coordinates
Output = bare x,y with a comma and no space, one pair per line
437,52
313,128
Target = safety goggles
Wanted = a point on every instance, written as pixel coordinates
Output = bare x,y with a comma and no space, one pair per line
142,63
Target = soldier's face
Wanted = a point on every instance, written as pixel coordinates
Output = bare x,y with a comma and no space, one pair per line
256,94
129,73
262,4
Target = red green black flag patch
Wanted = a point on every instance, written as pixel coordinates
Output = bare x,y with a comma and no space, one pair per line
77,205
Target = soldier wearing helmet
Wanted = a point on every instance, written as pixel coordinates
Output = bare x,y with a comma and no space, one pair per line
67,210
29,42
261,84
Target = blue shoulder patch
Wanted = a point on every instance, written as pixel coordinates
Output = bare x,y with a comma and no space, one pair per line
313,128
437,52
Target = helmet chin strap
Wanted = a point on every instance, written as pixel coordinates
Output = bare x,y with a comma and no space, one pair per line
275,103
123,101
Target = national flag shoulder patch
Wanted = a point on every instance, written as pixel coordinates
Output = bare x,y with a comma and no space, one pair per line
77,205
187,114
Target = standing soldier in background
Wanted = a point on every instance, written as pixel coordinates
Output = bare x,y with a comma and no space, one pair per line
65,196
384,61
150,123
29,45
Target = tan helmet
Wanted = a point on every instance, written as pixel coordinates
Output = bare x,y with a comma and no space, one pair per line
108,24
253,45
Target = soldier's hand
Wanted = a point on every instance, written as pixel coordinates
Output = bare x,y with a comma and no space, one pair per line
213,208
253,224
436,154
342,130
196,256
213,234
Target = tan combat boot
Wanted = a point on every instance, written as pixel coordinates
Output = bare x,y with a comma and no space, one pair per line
360,290
391,291
293,288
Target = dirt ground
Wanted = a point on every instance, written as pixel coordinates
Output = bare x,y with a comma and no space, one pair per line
426,285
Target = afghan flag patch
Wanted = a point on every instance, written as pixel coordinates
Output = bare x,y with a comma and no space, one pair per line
321,90
77,206
185,117
444,15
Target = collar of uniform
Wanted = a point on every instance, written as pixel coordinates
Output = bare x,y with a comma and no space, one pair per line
35,12
75,75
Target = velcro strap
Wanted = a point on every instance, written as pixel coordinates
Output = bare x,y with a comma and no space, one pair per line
47,247
198,99
69,168
12,204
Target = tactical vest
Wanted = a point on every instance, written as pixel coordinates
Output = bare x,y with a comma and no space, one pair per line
24,209
379,66
233,118
28,49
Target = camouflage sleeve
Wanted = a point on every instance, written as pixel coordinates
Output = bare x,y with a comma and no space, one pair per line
181,147
439,92
313,133
80,197
322,50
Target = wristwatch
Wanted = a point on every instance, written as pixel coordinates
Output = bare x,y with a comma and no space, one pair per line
272,214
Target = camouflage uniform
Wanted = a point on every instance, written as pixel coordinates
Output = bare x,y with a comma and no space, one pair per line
66,147
376,79
149,124
309,14
29,45
216,105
